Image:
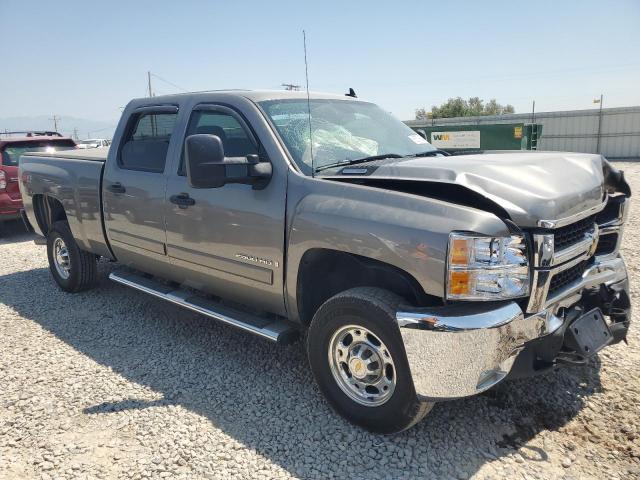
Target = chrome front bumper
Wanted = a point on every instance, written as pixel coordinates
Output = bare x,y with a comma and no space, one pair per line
463,349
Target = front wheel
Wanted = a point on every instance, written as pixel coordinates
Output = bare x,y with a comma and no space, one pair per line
73,269
358,360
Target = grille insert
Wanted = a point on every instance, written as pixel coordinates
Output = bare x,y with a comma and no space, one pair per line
564,278
611,211
607,244
565,237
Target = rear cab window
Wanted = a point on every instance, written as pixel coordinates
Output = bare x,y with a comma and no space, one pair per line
12,151
147,141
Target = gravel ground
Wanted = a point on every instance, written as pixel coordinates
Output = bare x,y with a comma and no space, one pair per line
115,384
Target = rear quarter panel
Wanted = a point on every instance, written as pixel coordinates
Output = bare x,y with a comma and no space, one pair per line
75,183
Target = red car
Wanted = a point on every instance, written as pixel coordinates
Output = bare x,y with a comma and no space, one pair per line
12,145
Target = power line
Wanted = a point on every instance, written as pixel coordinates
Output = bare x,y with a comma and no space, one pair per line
165,81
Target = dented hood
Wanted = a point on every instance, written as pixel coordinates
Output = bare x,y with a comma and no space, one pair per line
529,186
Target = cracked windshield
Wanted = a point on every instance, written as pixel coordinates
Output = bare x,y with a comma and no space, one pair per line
342,131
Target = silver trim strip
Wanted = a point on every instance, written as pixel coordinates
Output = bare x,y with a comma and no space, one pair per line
542,281
610,229
545,256
452,321
543,248
586,245
606,272
539,289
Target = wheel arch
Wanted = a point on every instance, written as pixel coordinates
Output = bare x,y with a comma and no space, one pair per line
47,211
324,272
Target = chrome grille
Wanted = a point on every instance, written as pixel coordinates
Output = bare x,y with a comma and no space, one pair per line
565,237
563,255
565,277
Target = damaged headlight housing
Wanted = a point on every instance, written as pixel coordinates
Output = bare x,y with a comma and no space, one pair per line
486,268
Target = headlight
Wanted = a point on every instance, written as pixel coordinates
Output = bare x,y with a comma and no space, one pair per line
486,268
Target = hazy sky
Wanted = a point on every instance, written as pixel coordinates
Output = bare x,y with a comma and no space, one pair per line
87,59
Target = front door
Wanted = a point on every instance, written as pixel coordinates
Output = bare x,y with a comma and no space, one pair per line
134,190
229,240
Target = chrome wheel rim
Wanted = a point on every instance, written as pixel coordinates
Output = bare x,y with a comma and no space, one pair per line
61,258
362,365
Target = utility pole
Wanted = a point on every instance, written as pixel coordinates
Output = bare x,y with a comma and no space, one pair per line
55,119
599,123
75,133
533,112
291,87
149,83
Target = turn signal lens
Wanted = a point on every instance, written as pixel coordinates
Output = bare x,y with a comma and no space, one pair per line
486,268
458,283
459,251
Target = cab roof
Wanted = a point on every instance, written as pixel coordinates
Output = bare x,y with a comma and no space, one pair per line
256,95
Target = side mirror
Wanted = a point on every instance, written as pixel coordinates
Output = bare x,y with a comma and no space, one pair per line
207,167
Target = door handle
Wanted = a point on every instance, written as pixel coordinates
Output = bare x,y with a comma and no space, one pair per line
183,200
116,188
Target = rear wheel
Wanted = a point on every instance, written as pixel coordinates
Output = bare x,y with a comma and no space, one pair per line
358,359
73,269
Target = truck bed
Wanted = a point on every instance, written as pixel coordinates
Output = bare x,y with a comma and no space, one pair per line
74,178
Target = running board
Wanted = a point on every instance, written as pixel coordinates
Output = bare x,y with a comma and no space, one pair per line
276,330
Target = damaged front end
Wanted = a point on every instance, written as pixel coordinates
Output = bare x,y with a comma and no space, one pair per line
579,299
588,282
599,318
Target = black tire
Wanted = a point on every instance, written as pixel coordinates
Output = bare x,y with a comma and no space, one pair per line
374,309
83,268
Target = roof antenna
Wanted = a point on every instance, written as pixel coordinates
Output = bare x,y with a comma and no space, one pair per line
306,74
351,93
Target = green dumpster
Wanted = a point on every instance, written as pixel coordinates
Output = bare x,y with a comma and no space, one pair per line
470,138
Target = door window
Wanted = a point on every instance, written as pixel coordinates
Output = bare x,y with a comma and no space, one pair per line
235,139
146,145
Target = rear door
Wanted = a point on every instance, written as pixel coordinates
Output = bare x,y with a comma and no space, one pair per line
133,189
230,240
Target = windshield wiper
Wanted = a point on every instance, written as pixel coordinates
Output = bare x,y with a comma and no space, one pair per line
358,160
430,153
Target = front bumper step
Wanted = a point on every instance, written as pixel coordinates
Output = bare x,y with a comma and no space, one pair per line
463,349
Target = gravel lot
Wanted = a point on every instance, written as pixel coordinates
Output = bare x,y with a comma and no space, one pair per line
115,384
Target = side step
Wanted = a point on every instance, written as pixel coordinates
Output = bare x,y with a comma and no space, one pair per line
277,330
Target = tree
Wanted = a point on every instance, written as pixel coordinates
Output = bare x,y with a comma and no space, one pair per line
459,107
422,114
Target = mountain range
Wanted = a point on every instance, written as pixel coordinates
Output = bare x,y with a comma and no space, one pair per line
75,127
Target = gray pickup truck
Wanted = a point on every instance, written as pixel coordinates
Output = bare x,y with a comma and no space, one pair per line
415,276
